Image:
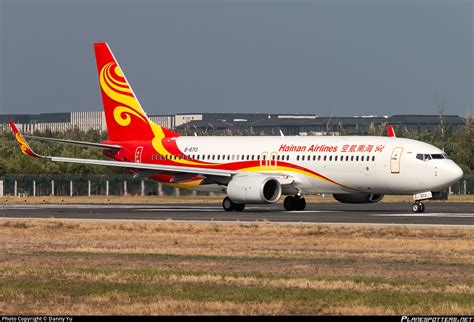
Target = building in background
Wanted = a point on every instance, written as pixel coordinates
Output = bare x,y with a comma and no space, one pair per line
242,123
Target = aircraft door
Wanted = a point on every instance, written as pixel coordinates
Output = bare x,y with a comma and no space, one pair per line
395,160
138,154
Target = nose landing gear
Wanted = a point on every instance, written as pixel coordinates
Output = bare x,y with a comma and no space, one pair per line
418,206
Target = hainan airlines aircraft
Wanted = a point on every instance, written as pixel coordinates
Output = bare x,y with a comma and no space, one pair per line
259,169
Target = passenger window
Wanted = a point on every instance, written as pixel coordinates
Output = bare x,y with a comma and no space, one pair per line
347,158
324,158
297,158
357,158
373,158
302,158
330,158
352,158
319,158
335,158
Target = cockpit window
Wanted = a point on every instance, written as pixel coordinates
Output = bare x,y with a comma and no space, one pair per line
426,157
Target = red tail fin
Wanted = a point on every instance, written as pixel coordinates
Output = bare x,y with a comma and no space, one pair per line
126,120
390,131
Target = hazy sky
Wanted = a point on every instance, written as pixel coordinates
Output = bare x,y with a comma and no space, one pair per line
352,57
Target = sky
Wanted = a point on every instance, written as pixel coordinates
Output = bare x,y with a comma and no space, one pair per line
323,57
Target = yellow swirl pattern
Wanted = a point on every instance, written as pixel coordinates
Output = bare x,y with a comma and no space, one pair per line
121,113
22,142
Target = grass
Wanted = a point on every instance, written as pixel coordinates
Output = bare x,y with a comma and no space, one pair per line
69,267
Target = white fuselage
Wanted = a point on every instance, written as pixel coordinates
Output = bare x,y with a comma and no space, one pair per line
343,164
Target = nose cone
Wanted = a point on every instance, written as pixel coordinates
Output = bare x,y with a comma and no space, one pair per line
453,173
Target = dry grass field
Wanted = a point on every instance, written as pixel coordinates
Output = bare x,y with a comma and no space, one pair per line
117,267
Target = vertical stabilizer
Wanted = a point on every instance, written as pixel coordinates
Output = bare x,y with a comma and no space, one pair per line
126,120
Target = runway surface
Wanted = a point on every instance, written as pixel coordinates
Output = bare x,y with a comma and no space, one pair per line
382,213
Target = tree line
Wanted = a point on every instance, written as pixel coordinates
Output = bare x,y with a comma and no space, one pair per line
459,145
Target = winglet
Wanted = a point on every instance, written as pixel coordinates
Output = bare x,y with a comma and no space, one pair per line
24,146
390,132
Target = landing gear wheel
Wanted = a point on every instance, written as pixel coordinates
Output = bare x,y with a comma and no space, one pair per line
229,205
292,203
418,207
239,206
289,203
422,207
300,203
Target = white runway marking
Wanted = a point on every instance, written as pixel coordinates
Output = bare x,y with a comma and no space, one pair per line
219,209
446,215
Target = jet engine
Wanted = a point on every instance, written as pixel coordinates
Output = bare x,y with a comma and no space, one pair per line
255,189
357,198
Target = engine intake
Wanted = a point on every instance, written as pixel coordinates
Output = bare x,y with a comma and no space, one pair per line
357,198
254,189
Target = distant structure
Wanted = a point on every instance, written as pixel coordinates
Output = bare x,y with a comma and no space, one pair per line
242,123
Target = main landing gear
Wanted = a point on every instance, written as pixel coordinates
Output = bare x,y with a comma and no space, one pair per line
292,203
229,205
418,206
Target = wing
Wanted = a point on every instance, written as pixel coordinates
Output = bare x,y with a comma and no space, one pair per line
79,143
26,149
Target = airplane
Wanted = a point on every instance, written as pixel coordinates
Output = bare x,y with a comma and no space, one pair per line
258,169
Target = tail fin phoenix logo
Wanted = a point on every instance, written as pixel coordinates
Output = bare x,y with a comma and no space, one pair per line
25,148
117,89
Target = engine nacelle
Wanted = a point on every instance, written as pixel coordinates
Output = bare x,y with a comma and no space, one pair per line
254,189
357,198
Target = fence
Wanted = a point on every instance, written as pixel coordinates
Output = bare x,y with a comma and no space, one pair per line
119,185
75,185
